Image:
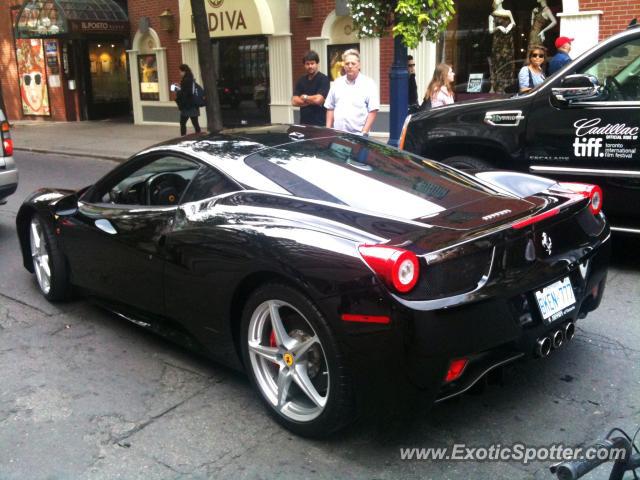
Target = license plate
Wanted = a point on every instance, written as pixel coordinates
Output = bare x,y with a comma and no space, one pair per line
556,299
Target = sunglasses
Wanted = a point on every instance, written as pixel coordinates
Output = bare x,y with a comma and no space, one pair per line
37,78
536,55
412,64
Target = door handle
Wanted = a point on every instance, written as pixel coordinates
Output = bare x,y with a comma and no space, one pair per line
105,225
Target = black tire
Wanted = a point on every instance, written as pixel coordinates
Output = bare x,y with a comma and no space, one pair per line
465,163
339,408
59,287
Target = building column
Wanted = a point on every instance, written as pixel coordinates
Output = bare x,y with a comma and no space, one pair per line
425,57
163,77
319,45
280,87
584,27
135,87
190,57
370,59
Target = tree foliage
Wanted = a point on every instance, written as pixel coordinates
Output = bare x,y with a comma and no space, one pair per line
410,19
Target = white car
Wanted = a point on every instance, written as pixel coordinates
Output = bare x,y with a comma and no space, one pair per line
8,169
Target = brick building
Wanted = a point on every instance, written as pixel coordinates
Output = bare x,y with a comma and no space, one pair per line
101,69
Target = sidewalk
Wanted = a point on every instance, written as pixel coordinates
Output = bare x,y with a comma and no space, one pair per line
107,139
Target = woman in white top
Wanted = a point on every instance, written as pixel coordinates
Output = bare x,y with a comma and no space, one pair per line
532,74
440,89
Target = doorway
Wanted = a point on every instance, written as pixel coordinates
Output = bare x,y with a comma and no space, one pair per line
243,80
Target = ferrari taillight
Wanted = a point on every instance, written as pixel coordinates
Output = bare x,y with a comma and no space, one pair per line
590,191
398,268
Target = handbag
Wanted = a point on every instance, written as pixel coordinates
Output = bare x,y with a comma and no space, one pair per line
199,99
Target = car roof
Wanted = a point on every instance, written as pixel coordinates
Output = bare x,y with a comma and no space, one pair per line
227,150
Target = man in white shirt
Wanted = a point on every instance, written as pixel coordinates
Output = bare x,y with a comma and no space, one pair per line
352,103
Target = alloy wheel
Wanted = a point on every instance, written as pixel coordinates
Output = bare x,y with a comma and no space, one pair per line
40,255
288,361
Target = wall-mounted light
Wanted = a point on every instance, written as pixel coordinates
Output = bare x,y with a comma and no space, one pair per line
305,8
166,21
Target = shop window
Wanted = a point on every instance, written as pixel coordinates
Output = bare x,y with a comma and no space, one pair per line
108,69
148,75
488,62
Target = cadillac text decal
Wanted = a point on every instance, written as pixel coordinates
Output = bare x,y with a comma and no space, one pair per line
593,138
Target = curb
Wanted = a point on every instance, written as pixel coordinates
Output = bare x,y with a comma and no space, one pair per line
72,154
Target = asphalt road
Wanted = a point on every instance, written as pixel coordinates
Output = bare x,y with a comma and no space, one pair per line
84,394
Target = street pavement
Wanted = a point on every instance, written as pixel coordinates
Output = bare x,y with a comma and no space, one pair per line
86,395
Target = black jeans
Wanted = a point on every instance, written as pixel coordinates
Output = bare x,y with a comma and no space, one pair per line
183,124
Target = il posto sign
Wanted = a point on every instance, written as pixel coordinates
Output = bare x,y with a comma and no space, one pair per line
229,18
99,26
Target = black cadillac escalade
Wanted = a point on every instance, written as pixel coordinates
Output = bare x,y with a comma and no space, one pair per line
582,124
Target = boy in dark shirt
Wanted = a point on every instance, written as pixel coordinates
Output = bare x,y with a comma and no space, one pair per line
310,92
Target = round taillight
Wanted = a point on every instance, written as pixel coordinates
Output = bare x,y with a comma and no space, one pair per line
596,200
405,272
399,268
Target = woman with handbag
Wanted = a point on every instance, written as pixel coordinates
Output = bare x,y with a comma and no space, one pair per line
532,74
185,100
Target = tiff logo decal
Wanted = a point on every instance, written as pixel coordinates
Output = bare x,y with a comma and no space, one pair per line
591,147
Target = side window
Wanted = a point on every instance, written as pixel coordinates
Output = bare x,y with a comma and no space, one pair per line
208,183
618,70
159,181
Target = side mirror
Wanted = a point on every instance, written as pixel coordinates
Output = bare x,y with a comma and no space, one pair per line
66,206
577,87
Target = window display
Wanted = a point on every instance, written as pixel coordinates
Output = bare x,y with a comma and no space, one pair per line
148,74
108,68
491,39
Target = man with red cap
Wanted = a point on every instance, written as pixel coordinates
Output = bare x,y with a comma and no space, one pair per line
560,59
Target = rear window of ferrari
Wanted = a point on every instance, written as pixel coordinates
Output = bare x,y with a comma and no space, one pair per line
367,175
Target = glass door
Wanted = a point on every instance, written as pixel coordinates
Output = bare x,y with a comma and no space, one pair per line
243,80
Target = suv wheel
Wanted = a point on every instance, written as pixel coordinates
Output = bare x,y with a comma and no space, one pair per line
462,162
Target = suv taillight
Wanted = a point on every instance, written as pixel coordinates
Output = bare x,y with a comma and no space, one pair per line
7,143
592,192
397,267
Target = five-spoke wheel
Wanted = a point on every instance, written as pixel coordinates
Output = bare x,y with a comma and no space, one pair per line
48,262
293,361
40,255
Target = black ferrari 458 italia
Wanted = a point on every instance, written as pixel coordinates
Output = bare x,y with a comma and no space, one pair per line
331,268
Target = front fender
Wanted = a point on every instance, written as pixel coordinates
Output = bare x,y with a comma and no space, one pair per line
43,202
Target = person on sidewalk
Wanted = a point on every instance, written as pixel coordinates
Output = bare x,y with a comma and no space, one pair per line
353,101
311,91
184,99
560,59
440,89
532,74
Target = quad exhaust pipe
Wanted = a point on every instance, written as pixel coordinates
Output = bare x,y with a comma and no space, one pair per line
555,340
543,347
569,331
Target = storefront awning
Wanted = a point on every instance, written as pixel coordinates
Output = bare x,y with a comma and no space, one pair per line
55,18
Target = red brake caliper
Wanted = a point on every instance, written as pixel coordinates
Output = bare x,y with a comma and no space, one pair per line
272,339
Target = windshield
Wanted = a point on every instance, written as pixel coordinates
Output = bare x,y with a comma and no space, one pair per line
367,175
